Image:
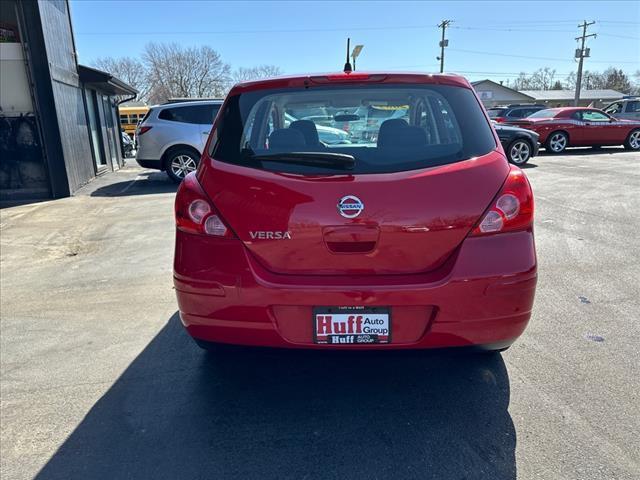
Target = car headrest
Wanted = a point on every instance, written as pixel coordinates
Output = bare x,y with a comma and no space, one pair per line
414,137
396,132
389,129
308,130
286,138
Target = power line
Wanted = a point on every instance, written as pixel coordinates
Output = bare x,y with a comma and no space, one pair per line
229,32
622,22
488,27
499,54
503,29
511,74
484,72
618,36
404,27
529,57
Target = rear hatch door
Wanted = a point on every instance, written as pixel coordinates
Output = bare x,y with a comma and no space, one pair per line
408,222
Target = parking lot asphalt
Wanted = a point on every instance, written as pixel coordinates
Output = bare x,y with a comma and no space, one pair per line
99,381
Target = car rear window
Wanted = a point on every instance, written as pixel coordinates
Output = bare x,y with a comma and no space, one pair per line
146,115
386,128
199,114
496,112
548,113
521,112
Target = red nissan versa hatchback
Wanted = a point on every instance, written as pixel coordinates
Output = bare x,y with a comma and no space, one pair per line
414,232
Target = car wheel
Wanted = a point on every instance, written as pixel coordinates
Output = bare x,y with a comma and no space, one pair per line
633,140
557,142
180,163
519,152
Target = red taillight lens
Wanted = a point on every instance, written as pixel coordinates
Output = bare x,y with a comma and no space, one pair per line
142,130
512,209
499,119
348,77
345,77
194,211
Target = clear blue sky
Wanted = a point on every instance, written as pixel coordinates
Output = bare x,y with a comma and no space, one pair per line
302,37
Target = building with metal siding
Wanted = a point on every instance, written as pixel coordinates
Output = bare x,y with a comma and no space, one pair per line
564,98
492,94
72,109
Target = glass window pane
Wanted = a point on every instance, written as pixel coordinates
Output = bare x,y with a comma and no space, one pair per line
387,128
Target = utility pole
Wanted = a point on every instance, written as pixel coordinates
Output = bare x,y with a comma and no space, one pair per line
443,43
581,54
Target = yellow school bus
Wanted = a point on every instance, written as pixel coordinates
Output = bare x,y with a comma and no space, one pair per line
130,116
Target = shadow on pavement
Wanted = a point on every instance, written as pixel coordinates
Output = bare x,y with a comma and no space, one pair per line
529,164
586,151
177,412
148,182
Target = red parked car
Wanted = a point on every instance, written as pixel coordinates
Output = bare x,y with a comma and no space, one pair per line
560,128
419,238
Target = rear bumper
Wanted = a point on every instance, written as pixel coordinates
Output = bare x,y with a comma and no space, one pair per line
155,164
482,295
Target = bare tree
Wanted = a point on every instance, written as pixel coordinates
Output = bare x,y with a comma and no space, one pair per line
570,82
169,70
129,70
612,78
635,90
557,85
243,74
522,82
592,80
175,71
541,79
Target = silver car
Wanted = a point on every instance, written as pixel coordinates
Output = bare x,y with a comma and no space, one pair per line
171,137
627,108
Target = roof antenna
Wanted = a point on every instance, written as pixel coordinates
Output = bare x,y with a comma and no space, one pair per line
347,66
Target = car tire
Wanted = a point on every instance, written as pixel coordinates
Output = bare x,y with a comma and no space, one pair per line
556,142
181,161
633,140
519,151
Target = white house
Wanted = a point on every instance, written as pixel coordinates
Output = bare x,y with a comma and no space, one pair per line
492,94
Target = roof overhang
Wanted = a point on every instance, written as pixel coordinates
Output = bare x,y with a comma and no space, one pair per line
104,81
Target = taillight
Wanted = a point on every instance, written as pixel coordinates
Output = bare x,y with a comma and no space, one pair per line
348,77
195,213
512,209
142,130
499,119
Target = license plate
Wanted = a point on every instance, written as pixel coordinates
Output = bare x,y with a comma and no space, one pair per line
351,325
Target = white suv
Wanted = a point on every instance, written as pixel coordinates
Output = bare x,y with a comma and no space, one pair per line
171,137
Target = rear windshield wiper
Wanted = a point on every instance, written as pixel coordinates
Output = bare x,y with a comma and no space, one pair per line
311,159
